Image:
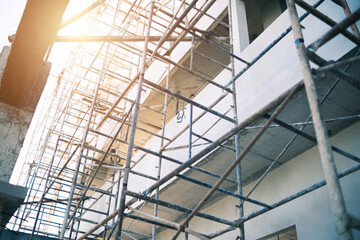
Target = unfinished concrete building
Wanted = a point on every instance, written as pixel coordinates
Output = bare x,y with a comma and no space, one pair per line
192,119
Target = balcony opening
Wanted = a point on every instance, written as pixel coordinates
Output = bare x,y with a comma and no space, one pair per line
261,13
288,233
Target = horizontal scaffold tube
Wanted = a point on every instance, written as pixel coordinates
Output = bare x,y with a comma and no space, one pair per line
241,156
270,46
179,208
197,157
313,139
193,180
294,196
148,151
353,81
113,38
285,200
154,85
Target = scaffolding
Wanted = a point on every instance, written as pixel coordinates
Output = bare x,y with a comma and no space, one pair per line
109,104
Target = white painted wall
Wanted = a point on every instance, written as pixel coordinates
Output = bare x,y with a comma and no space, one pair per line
275,73
279,69
311,213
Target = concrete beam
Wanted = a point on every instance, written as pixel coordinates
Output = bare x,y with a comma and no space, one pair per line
25,73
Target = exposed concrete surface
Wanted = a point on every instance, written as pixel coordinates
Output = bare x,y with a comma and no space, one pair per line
13,127
9,235
3,59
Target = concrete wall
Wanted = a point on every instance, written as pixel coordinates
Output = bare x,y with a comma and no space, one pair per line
279,69
3,58
16,115
13,127
311,213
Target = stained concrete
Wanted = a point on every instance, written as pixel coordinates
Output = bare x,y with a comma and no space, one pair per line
3,58
14,123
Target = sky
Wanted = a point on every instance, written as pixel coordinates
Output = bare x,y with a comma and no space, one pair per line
10,15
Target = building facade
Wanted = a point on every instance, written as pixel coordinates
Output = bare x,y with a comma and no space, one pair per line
193,120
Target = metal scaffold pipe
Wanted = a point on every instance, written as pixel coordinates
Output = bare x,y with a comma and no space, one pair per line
287,199
326,156
133,126
196,157
239,158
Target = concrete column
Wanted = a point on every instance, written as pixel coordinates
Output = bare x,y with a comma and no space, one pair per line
14,124
3,59
14,119
240,27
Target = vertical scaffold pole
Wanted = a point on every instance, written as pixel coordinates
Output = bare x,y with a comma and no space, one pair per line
190,150
237,136
157,194
133,126
83,143
327,160
77,167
